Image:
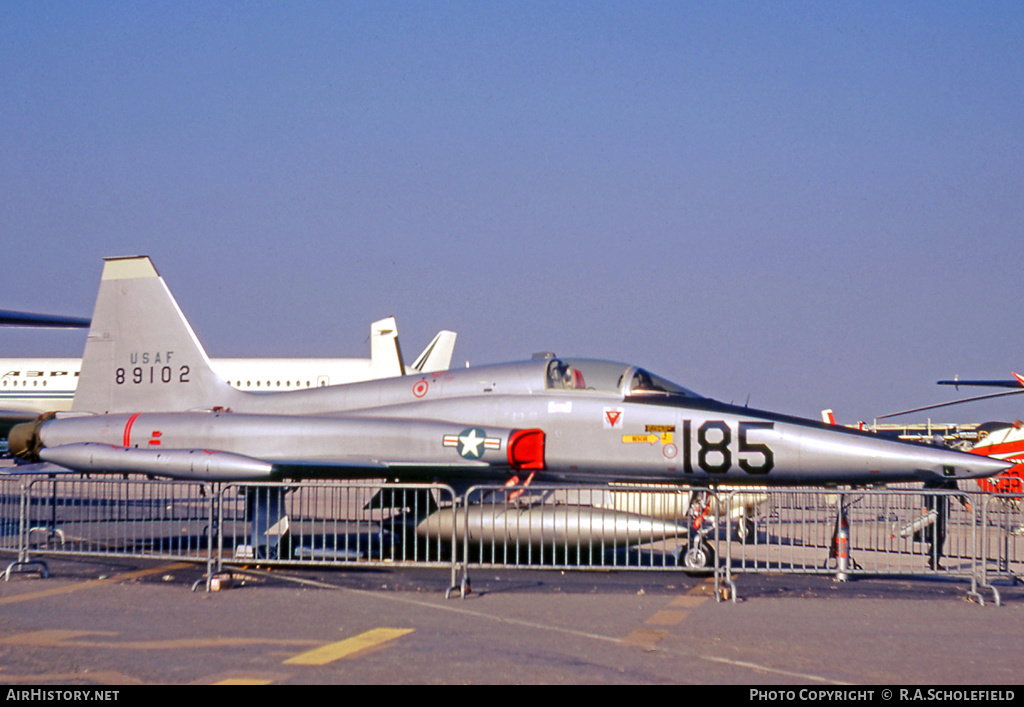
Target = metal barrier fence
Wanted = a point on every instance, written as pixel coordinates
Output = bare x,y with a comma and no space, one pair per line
11,499
620,527
908,532
103,517
1002,542
336,523
76,516
970,536
13,504
870,532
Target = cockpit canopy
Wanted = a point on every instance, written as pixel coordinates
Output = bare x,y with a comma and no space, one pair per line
609,377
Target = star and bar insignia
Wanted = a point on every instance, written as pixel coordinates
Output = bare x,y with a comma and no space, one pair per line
472,442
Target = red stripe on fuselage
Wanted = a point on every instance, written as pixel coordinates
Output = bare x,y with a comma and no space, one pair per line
128,428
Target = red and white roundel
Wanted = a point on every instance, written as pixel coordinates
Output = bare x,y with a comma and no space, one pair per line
419,389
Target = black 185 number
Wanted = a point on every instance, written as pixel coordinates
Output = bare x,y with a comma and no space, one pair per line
152,374
714,455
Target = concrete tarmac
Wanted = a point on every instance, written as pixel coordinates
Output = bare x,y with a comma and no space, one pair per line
136,622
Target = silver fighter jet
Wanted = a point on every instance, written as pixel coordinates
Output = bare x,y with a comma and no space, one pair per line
148,402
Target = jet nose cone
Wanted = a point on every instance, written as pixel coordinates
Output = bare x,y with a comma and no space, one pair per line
948,464
982,466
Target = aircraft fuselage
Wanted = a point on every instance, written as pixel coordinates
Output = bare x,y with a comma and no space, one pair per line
466,418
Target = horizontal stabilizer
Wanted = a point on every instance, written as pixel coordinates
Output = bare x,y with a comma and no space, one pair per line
10,418
36,469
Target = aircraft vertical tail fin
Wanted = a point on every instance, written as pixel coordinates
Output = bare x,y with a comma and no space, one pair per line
141,355
438,354
385,353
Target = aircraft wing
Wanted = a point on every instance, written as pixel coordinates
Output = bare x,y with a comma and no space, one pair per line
1016,382
47,321
364,468
951,402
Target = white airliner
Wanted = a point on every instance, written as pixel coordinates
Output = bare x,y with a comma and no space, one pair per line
31,386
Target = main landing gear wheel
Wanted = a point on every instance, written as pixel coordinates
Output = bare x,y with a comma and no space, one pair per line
698,557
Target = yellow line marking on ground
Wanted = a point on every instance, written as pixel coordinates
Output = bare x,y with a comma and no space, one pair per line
687,601
57,637
667,617
99,677
563,630
241,677
350,646
57,591
49,637
643,638
705,588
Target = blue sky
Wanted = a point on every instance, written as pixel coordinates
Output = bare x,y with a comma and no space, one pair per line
803,205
